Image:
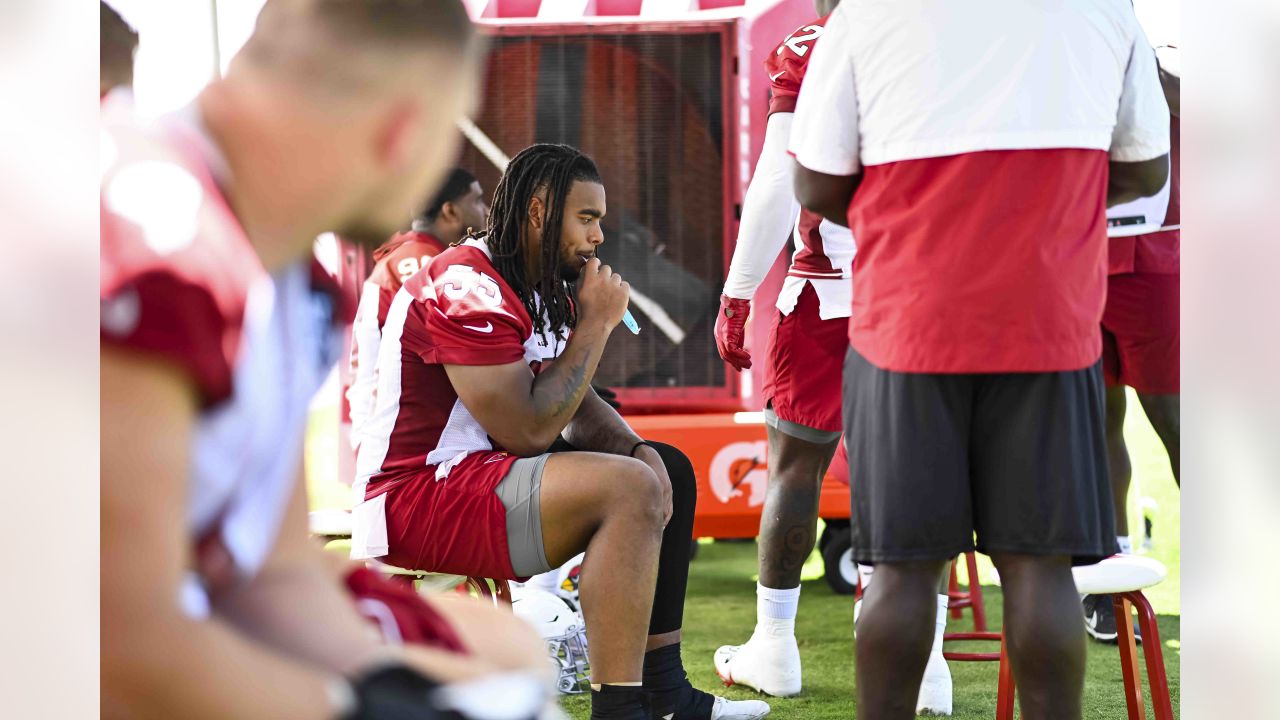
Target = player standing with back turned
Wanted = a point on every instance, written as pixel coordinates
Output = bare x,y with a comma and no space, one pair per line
973,149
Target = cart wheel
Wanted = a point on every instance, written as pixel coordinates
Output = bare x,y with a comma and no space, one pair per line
825,538
837,562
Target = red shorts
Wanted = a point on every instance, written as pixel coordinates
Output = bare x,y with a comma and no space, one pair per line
457,525
804,364
1140,335
400,613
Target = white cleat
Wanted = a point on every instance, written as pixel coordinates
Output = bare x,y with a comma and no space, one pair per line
935,689
770,664
726,709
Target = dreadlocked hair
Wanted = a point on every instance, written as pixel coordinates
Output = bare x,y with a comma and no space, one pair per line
543,167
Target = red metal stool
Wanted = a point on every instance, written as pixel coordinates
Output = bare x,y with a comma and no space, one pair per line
971,598
1123,577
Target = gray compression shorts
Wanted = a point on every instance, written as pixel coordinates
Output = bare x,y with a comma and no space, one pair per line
520,492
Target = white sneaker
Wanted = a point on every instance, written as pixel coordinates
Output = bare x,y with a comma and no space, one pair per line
726,709
768,663
935,689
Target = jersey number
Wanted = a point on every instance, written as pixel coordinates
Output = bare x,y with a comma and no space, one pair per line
409,266
460,281
797,41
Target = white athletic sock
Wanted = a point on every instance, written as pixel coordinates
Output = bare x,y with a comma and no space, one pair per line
940,628
776,609
1126,544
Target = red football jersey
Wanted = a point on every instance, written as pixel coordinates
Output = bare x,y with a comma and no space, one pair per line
396,261
786,65
181,282
825,250
457,311
176,266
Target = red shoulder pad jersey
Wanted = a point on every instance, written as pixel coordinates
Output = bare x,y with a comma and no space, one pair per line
180,282
786,65
825,250
398,260
173,292
394,263
458,311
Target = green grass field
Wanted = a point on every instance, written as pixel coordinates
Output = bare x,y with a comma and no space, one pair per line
721,605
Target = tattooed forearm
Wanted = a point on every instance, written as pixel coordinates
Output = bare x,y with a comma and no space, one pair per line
570,387
558,391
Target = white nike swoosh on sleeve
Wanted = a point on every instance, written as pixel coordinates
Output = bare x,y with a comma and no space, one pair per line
486,328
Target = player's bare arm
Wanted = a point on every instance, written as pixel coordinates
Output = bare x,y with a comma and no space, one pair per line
1129,181
524,412
156,660
827,195
1136,135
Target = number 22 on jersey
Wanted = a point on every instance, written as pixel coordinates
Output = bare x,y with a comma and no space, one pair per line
801,40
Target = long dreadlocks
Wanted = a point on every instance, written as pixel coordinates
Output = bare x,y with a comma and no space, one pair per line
553,169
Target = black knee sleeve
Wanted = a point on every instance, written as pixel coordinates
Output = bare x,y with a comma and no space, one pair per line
677,541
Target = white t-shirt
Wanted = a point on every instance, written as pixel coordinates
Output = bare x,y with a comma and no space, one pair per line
900,80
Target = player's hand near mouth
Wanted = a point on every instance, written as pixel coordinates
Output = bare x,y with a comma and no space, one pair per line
602,295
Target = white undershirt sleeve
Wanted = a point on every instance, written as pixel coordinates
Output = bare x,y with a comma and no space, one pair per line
824,135
1142,121
769,212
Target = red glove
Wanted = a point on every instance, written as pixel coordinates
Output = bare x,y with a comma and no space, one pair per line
731,322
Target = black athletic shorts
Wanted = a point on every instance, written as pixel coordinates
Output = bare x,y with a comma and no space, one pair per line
1017,458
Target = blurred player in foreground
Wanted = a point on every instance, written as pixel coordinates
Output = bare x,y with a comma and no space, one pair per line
489,454
1141,343
803,366
458,207
217,328
974,161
